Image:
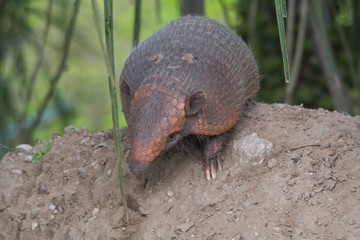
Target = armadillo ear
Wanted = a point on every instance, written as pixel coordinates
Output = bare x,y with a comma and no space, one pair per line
125,99
195,103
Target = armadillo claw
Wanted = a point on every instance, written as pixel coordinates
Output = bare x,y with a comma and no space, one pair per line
219,164
207,174
210,169
213,169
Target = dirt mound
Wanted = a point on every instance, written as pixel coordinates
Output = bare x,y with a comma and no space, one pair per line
298,177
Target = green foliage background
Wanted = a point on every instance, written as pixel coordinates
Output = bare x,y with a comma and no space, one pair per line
82,95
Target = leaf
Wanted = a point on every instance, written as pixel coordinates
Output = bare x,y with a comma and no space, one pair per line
45,149
36,157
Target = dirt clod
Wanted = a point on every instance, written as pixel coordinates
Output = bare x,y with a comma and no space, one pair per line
307,189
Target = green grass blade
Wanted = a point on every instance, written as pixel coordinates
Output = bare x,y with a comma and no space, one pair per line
280,6
109,59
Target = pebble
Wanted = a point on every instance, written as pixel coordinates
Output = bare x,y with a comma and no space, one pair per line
184,227
34,225
25,147
17,171
170,193
68,131
291,182
52,207
143,211
95,211
272,163
28,158
252,148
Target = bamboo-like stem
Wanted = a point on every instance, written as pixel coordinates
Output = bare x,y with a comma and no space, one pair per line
253,11
296,63
137,22
335,83
225,13
280,7
290,29
348,54
158,10
108,52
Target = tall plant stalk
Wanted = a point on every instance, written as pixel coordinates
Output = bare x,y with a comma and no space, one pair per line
334,80
280,6
137,22
109,59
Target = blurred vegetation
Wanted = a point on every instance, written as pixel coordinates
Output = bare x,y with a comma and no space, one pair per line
322,40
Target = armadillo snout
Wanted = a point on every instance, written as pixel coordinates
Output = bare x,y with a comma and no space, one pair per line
138,168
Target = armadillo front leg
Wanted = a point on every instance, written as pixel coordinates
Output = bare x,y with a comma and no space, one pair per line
213,150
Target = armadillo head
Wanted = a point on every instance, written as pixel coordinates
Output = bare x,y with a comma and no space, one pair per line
158,115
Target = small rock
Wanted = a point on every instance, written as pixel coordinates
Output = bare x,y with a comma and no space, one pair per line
252,148
17,171
56,135
256,234
82,172
69,131
25,147
109,172
330,184
99,134
52,217
95,211
170,193
272,163
143,211
184,227
291,182
52,207
318,189
34,215
34,225
28,158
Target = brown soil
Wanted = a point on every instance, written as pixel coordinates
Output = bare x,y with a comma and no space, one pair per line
304,185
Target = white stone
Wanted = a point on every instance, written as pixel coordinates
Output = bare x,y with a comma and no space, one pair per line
25,147
17,171
34,225
28,158
170,193
95,211
252,149
52,207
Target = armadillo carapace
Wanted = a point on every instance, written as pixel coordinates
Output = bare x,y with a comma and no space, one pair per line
193,76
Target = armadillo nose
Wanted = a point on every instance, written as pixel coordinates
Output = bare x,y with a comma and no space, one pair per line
138,168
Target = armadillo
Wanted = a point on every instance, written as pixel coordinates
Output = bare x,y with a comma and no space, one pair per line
192,77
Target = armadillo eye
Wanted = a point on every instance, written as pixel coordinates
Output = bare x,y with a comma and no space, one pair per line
172,136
